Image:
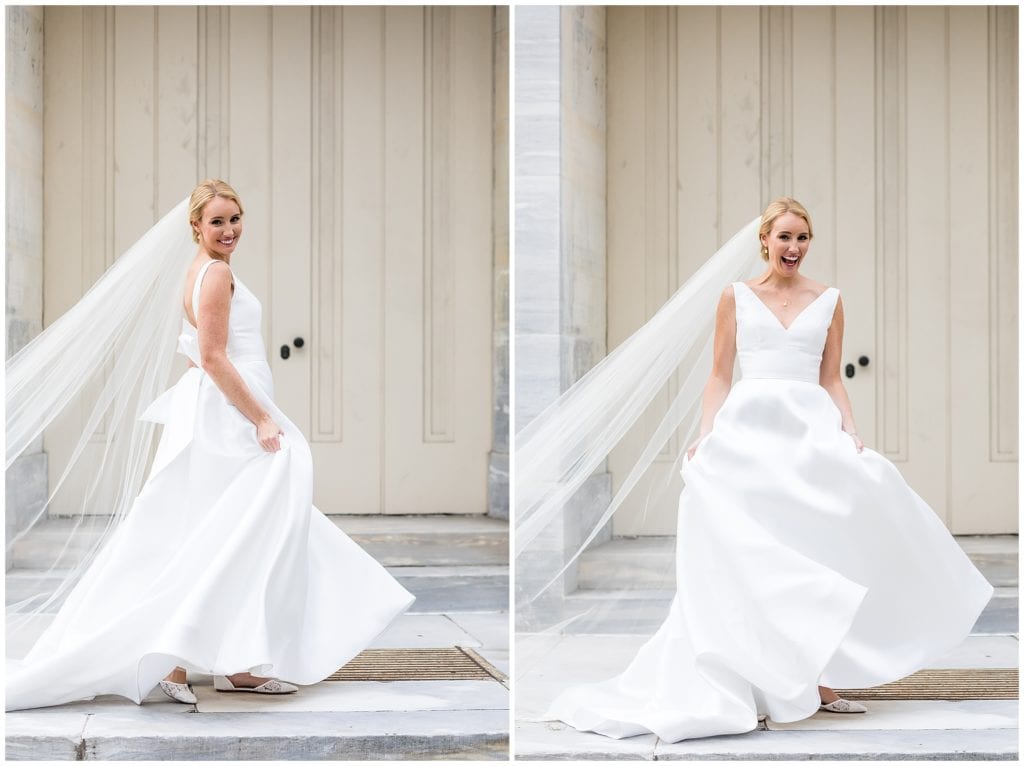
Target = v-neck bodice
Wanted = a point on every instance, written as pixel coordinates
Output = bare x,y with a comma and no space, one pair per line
767,349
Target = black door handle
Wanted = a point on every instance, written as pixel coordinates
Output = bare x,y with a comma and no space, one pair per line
286,350
850,370
863,361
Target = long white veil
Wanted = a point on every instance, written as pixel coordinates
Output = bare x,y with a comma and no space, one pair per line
561,448
97,368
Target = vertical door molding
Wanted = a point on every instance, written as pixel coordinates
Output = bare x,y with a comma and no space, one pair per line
326,348
97,125
1003,227
438,265
891,233
661,170
776,30
213,115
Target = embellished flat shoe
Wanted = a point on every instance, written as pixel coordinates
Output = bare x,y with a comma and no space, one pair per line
272,686
843,706
178,692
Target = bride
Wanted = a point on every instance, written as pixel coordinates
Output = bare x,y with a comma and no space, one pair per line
803,559
222,566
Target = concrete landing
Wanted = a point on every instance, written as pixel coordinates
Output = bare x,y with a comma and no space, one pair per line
601,641
346,720
890,730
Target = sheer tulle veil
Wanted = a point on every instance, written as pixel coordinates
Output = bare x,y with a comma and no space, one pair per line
659,374
98,367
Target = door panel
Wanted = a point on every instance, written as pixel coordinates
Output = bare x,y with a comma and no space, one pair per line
360,142
910,178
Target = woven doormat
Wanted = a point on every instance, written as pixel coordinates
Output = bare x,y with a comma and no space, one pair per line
944,684
454,663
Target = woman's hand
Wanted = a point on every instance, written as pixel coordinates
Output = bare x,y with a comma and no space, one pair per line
268,433
692,449
856,441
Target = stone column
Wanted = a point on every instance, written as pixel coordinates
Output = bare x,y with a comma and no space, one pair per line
26,478
560,238
497,482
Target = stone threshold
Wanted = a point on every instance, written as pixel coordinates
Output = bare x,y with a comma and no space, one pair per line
256,736
551,742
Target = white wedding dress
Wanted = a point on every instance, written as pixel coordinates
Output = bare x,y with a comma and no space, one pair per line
799,561
223,564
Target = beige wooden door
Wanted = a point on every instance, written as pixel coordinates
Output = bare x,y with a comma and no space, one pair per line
360,142
910,177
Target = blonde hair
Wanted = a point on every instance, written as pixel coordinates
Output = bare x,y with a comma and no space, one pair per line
778,207
202,194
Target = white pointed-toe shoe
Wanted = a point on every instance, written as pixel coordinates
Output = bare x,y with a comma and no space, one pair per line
178,692
843,706
271,686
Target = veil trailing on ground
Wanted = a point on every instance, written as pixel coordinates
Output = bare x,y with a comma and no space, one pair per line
561,448
94,370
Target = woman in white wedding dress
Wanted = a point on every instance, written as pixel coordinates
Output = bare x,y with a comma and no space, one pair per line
804,561
223,565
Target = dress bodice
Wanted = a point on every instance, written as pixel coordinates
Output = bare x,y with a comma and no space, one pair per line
245,340
766,349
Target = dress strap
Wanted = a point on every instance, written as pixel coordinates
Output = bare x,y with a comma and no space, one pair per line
737,288
198,284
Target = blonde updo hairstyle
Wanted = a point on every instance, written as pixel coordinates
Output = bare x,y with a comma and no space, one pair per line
202,194
778,207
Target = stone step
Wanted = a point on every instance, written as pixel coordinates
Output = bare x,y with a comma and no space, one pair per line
436,540
641,612
438,589
626,585
557,742
455,589
431,735
425,722
892,729
645,563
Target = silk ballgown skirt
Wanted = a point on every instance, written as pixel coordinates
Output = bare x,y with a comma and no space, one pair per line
222,565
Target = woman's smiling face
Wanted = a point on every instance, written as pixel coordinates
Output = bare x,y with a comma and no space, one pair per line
787,244
220,227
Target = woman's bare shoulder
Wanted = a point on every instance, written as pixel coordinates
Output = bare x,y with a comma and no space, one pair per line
727,299
817,287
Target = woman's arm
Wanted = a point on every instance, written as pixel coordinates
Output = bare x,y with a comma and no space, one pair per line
831,379
215,306
720,380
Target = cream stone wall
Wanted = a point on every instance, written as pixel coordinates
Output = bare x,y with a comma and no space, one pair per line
560,232
25,482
